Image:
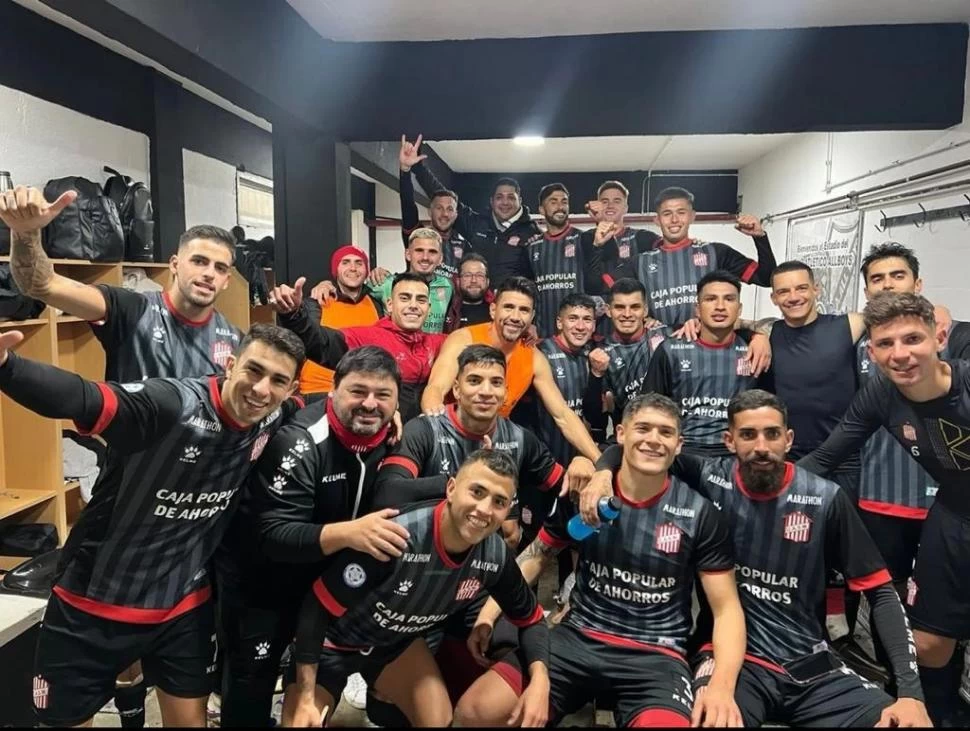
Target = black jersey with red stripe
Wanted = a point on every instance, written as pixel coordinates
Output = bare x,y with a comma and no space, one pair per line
176,462
557,269
785,542
381,603
635,576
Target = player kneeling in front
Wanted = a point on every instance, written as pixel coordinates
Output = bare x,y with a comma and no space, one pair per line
625,636
377,616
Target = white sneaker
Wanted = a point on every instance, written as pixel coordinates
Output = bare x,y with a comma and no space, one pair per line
213,710
355,692
277,713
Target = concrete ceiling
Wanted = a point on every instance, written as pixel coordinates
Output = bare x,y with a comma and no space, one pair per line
593,154
428,20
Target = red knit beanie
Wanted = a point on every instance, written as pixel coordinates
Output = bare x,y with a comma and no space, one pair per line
348,250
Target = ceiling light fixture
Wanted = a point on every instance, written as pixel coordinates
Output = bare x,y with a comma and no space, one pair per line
529,140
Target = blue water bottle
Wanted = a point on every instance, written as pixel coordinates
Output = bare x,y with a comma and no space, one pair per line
609,510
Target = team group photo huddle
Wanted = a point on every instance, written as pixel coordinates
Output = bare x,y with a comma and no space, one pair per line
572,463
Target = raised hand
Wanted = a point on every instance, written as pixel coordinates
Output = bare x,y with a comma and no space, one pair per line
8,340
377,276
324,291
379,536
409,157
750,225
25,209
605,230
599,361
594,209
286,299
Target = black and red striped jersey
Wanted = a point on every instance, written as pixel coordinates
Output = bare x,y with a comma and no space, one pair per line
144,336
557,269
635,576
381,603
629,360
570,370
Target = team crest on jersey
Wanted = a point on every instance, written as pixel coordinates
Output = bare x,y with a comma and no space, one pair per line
514,240
700,259
666,538
440,294
221,350
354,575
798,527
258,446
468,589
744,367
457,251
42,690
911,591
909,432
624,251
569,250
655,341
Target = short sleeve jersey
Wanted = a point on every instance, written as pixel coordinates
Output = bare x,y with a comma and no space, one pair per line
570,370
144,336
557,267
628,364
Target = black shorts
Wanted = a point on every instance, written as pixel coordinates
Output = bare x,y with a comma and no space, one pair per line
630,679
942,602
839,699
897,540
79,656
336,665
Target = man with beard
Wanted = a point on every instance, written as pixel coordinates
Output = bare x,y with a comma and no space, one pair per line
309,497
470,304
556,259
703,375
423,255
172,334
352,306
379,618
399,334
924,403
442,211
501,235
624,638
133,578
788,527
512,313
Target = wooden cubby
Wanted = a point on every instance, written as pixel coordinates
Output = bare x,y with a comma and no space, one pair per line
32,485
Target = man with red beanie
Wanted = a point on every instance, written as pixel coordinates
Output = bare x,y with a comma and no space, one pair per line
352,306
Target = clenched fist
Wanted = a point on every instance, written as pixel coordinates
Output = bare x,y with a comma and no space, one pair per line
599,361
750,225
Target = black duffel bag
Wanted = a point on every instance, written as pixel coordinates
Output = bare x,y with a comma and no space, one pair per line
14,304
88,229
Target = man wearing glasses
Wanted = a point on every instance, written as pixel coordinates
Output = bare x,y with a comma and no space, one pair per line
469,305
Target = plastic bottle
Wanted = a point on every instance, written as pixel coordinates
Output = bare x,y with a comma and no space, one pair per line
609,510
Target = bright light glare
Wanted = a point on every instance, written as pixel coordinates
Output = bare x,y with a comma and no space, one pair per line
529,140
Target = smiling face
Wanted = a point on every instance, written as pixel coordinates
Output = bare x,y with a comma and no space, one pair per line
555,209
627,312
480,390
906,349
576,325
423,256
651,440
351,272
614,206
473,280
443,212
512,314
365,402
674,216
200,271
796,295
257,382
761,441
409,305
505,202
891,274
478,501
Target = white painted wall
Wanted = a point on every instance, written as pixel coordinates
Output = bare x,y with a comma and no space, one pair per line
40,141
390,248
795,174
210,194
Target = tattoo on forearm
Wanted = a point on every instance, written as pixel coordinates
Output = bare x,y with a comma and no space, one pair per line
764,325
538,550
29,265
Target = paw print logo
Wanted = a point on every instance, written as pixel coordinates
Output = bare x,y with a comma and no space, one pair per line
301,446
403,588
262,650
685,365
287,464
158,334
190,455
279,482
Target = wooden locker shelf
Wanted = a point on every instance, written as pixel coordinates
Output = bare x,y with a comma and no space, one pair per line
16,501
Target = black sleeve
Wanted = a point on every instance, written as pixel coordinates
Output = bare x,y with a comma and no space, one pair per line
958,341
554,532
323,344
428,181
713,548
311,630
593,413
123,309
849,548
399,481
659,379
539,467
863,417
611,459
128,416
519,604
282,493
891,624
409,209
691,470
747,270
647,240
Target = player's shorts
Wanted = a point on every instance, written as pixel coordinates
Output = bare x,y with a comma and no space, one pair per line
839,699
79,655
941,604
897,540
336,664
631,680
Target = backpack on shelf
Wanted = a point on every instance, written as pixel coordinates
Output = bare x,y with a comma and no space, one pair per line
89,228
14,304
134,202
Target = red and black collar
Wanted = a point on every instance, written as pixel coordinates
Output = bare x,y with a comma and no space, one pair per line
353,442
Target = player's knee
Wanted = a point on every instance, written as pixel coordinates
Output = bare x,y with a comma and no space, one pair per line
933,651
476,708
659,718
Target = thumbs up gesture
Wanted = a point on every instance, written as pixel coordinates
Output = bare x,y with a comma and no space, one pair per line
286,299
8,340
25,209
